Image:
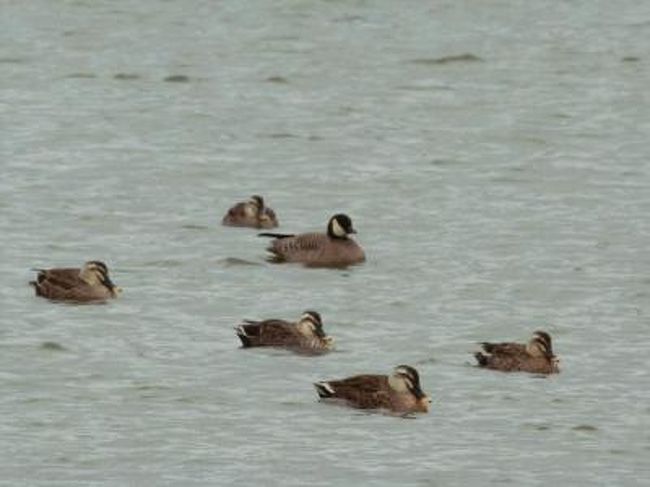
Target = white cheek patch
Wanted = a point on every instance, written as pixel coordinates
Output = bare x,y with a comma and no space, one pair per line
398,384
337,229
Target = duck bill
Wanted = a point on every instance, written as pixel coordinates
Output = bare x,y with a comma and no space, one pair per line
112,287
555,364
424,404
423,401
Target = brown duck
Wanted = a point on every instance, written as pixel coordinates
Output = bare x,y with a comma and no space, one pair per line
536,356
88,284
399,392
332,249
305,335
252,213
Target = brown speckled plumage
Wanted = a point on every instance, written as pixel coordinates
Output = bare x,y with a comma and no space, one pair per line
400,392
91,283
305,335
535,357
252,213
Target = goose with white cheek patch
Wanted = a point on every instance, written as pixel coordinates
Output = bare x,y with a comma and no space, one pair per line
90,283
399,392
304,336
335,248
252,213
536,356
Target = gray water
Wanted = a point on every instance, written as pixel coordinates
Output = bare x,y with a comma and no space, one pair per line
494,159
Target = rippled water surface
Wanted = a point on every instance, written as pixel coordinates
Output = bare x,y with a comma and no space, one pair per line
493,156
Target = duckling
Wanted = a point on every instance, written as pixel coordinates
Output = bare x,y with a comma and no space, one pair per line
399,392
305,335
251,213
536,356
90,283
332,249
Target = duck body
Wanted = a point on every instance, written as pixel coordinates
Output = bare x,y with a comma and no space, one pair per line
332,249
252,213
90,283
399,392
305,335
536,356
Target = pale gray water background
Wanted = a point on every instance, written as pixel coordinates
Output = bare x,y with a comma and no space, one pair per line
495,194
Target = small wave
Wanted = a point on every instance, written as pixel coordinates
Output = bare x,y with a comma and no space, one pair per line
191,226
177,78
53,346
82,76
277,79
458,58
282,135
126,76
235,261
12,60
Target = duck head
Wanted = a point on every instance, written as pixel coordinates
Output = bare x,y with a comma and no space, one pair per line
406,380
340,226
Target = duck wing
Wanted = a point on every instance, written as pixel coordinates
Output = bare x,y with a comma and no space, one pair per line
306,248
81,293
362,391
64,278
504,348
267,333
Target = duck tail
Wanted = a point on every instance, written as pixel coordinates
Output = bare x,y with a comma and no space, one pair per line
275,235
274,257
245,339
487,346
323,389
481,359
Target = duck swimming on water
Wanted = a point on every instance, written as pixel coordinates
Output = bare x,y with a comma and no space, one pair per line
87,284
252,213
335,248
536,356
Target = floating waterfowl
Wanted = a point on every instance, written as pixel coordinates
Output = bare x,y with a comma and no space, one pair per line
334,248
399,392
252,213
305,335
87,284
536,356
